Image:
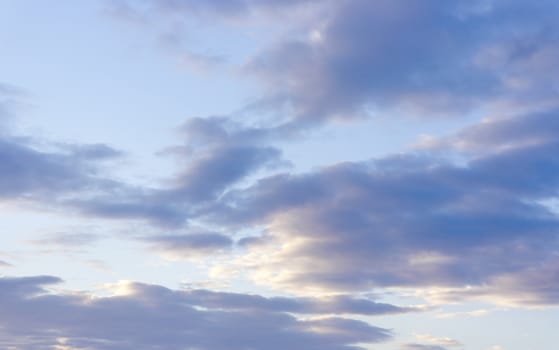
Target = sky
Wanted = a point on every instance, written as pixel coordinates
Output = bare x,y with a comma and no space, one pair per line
296,174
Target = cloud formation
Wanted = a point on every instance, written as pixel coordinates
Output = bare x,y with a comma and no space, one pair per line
341,304
470,216
218,155
149,316
30,172
185,246
415,58
413,220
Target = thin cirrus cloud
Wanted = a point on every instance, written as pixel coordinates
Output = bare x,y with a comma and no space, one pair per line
428,338
414,346
149,316
66,240
10,98
177,8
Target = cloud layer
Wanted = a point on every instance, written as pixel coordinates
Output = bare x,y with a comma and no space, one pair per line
419,58
153,317
413,220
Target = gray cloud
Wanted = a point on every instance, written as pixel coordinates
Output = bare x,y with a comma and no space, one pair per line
417,57
48,172
217,155
153,317
29,172
410,221
189,245
360,57
499,134
133,203
97,151
342,304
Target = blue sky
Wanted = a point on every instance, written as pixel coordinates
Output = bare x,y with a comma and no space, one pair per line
259,174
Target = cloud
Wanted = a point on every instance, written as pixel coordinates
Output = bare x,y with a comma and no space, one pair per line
428,338
430,58
5,264
96,151
10,99
474,229
189,245
149,316
222,8
132,203
351,58
473,313
30,172
67,240
409,221
494,135
218,155
33,169
414,346
532,286
341,304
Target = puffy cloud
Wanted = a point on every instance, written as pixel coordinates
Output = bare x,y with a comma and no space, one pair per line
417,57
153,317
356,57
479,228
495,135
